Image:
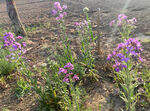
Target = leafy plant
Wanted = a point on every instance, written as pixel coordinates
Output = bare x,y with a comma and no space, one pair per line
10,51
126,58
6,67
146,81
22,88
124,26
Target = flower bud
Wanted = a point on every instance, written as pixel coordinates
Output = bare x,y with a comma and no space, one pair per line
86,9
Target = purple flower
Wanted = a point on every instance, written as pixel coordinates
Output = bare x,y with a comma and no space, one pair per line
114,52
82,24
109,57
125,59
19,37
57,6
112,23
75,77
62,70
131,48
18,45
64,7
122,57
132,21
5,38
66,80
24,44
141,59
61,15
8,35
14,46
117,69
57,18
69,66
122,17
65,13
123,66
54,12
133,53
121,46
76,24
19,54
67,75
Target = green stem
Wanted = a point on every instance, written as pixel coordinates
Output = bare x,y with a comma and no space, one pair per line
90,27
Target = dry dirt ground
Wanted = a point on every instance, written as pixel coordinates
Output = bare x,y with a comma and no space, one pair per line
41,42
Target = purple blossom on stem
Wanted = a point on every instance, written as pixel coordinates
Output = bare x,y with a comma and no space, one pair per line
112,23
109,57
69,66
130,49
14,46
18,45
121,46
57,6
66,80
19,37
62,70
24,44
67,73
57,18
82,24
123,20
122,17
54,12
75,77
64,13
60,10
64,7
61,15
117,69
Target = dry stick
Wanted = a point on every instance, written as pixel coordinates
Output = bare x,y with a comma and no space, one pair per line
98,32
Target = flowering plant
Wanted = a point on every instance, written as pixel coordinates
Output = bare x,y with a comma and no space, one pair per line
59,11
124,25
129,51
11,52
16,49
67,73
126,58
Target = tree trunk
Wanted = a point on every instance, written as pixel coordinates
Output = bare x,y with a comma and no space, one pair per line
15,19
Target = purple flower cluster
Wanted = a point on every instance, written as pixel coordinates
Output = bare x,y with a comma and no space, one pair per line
59,10
67,71
130,49
123,19
81,24
11,44
10,41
